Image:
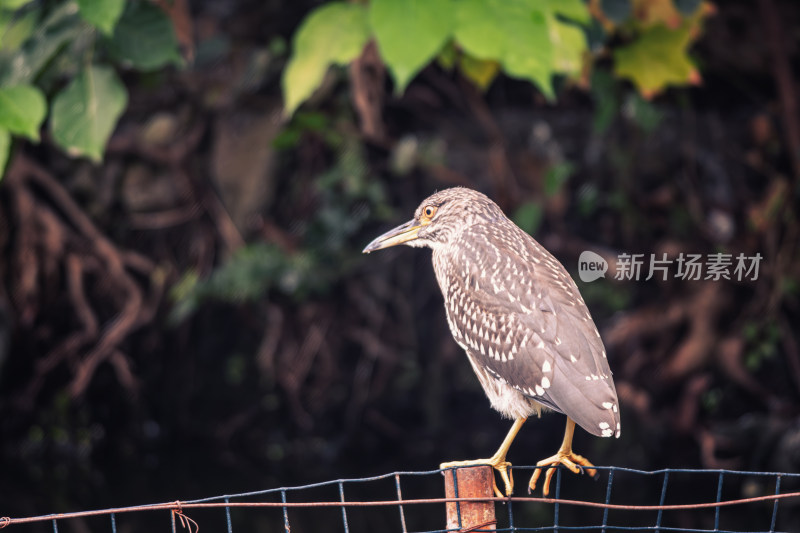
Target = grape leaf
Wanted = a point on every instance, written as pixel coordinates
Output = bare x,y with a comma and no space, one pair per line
85,112
410,33
334,33
22,110
102,14
657,59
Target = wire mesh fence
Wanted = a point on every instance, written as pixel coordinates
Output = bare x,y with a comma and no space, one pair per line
621,499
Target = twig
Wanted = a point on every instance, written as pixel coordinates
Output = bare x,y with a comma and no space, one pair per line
367,75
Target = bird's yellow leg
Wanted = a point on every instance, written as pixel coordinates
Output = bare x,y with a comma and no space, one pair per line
497,461
564,456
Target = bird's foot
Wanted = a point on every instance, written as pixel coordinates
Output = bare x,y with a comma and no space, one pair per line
573,461
498,463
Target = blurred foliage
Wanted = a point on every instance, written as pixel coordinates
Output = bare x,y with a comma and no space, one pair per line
556,177
334,34
529,217
532,40
306,122
68,52
763,341
325,250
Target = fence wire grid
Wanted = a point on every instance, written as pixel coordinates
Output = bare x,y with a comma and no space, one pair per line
689,500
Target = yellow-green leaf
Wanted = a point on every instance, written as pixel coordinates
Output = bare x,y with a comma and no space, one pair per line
22,110
334,33
409,34
481,72
569,45
657,59
85,112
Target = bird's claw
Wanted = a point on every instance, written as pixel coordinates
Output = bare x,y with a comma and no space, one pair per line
506,476
573,461
501,466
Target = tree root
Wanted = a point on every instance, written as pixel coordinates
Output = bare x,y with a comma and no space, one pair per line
111,292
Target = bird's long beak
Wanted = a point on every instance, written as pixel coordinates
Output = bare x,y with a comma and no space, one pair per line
402,233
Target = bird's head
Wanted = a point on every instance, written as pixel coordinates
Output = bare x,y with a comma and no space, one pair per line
439,219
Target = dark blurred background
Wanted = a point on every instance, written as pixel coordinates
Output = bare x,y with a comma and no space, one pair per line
194,316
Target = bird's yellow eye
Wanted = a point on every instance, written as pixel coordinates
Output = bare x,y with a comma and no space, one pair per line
428,212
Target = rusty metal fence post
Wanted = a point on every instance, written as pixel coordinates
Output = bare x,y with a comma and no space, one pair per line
470,482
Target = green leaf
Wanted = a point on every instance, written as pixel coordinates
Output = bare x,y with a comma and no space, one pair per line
5,150
85,112
513,32
144,38
527,37
409,34
103,14
59,28
15,28
569,40
22,110
657,59
13,4
334,33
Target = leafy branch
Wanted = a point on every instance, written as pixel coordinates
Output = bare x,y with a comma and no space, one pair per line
69,53
533,40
